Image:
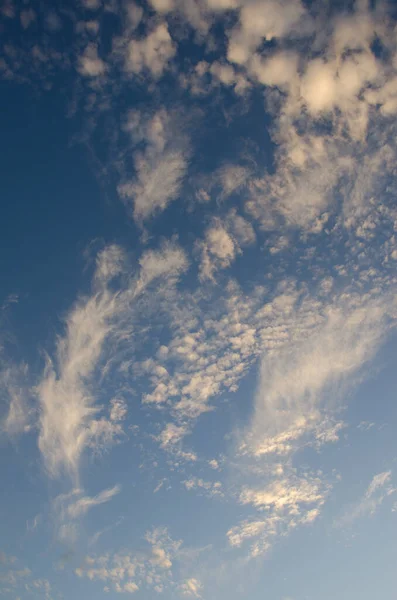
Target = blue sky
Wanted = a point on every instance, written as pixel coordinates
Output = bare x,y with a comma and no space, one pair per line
197,312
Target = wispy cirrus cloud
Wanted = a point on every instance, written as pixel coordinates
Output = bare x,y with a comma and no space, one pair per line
20,413
70,420
378,491
84,504
305,378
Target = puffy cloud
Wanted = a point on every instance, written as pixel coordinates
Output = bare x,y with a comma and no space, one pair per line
118,410
160,168
246,531
218,251
231,179
224,183
318,86
163,5
152,53
210,488
279,70
16,580
222,4
325,85
91,4
283,495
191,587
334,155
220,244
169,260
343,83
133,571
90,64
172,434
288,501
262,21
130,587
240,228
158,183
214,464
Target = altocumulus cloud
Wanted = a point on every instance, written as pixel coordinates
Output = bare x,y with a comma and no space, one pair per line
236,319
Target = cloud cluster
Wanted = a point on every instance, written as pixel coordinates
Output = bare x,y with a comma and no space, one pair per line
16,580
312,309
288,501
130,572
152,52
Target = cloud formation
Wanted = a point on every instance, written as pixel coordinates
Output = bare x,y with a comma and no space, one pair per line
70,420
246,289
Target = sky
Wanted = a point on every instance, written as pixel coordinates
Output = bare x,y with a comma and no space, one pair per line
198,299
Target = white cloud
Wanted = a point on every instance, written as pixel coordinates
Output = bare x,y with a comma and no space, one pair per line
334,144
246,531
91,4
282,495
306,376
20,416
319,86
84,504
222,4
109,263
169,260
118,410
326,85
191,587
17,580
129,572
152,53
160,168
218,251
288,501
279,70
70,420
163,5
378,490
90,64
158,183
344,84
262,21
67,408
172,434
210,488
130,587
231,179
240,228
